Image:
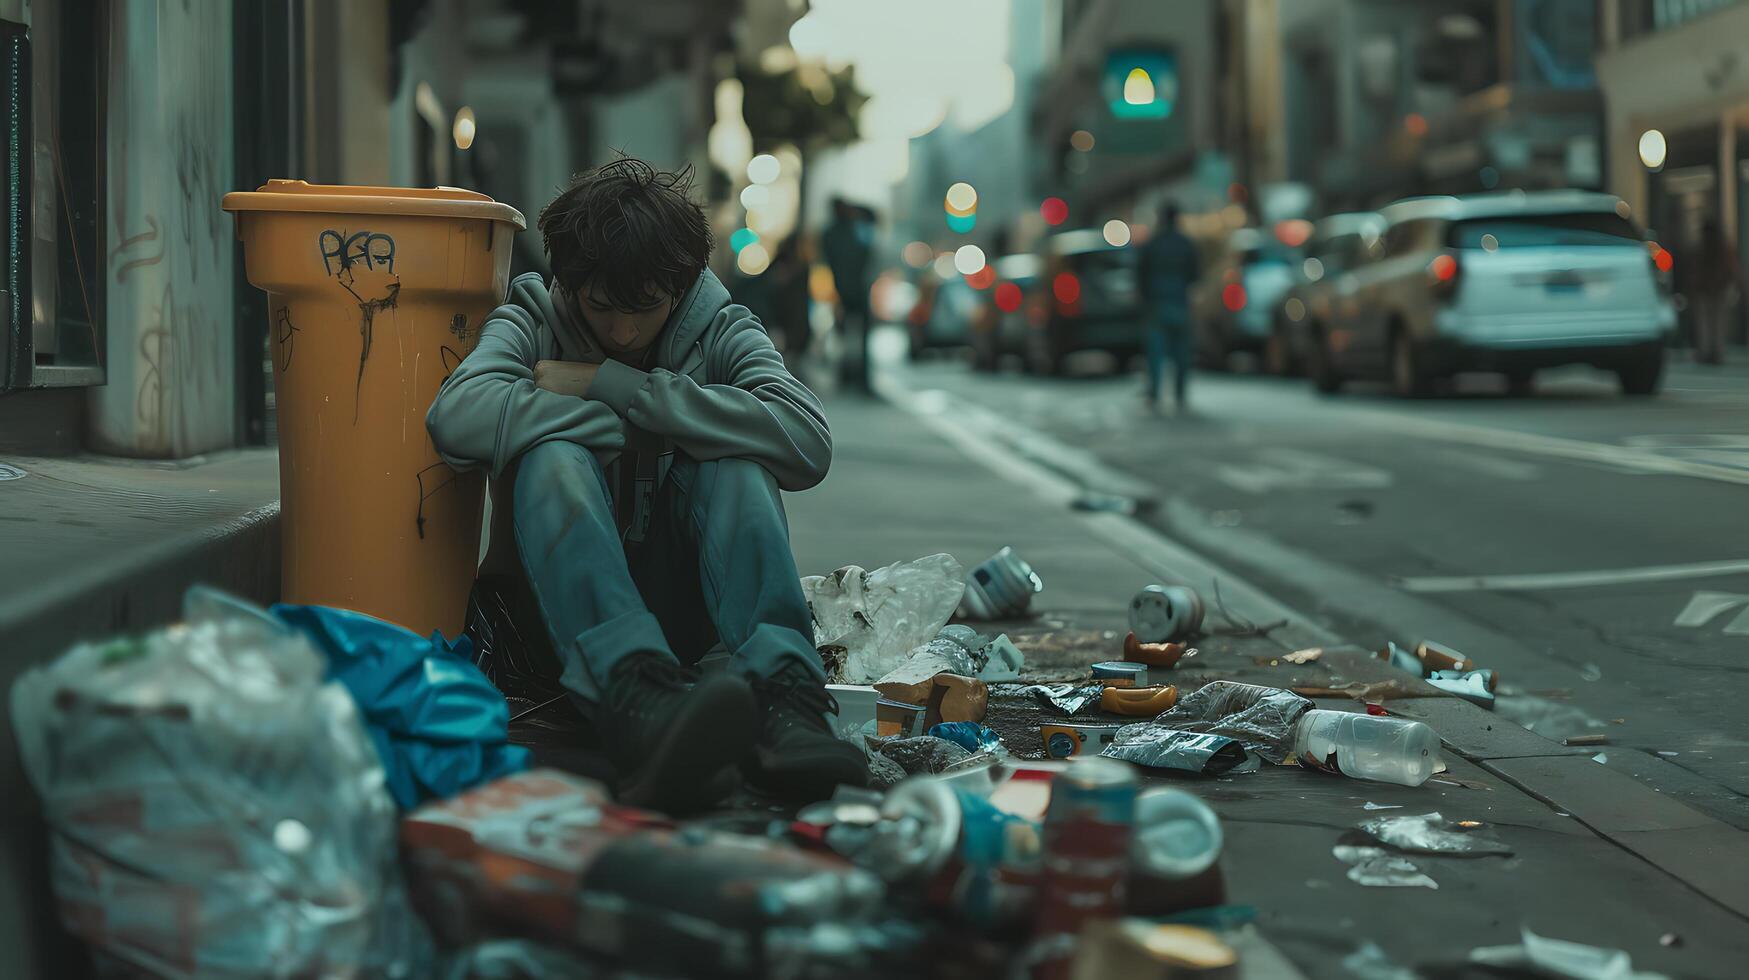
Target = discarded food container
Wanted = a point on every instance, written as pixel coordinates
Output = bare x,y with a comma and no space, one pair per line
1121,673
1163,655
1138,702
999,587
1136,949
1064,740
1386,750
856,707
896,718
1436,656
1160,613
362,284
1476,687
1087,835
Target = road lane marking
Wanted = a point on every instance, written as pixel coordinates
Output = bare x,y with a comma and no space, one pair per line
1297,469
1572,580
1704,607
1558,447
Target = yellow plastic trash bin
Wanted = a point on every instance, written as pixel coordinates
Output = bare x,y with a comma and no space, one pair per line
375,294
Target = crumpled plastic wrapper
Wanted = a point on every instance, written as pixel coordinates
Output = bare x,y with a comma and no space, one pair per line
1379,868
1262,719
1542,956
1157,747
215,808
884,773
1070,699
1430,833
880,617
922,754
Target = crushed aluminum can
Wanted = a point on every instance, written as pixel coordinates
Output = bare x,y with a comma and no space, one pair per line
1163,613
1177,835
999,587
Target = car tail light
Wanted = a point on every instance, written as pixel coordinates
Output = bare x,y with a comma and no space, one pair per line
1442,274
1662,260
1067,288
1233,296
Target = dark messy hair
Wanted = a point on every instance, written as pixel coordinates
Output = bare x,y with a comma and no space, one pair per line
628,234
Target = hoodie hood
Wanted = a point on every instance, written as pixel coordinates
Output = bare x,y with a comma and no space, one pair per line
697,308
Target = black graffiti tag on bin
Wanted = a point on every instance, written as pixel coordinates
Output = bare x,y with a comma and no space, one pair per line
341,251
286,334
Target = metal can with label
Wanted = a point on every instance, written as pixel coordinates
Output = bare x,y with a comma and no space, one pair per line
1088,830
1162,613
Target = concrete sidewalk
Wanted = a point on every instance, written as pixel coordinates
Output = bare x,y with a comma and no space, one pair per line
1598,857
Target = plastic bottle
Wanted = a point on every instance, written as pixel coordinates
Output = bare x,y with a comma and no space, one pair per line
1386,750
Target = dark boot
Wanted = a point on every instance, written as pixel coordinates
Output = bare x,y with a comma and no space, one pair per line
675,746
797,757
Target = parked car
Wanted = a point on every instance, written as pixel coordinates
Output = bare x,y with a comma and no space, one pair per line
946,321
1234,303
1094,301
1020,301
1339,242
1510,282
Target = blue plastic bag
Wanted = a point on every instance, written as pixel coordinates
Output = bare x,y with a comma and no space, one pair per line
968,735
438,723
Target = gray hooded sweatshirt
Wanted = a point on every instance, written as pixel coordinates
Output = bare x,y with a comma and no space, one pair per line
716,389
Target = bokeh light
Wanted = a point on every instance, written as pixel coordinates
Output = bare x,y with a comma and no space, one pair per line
1066,287
968,259
962,198
1415,124
753,259
1117,234
1294,308
763,169
1138,87
1233,296
918,254
1054,210
961,223
1490,243
755,196
1313,268
982,279
1008,297
1293,232
1081,140
464,128
742,238
1653,149
944,266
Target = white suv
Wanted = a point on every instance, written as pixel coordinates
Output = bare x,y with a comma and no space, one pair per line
1507,282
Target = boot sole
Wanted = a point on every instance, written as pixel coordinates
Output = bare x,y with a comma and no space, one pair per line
806,778
686,768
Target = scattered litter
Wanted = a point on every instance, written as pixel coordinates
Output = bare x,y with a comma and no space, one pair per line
967,735
1364,746
1667,754
1063,740
1437,656
1600,758
1377,868
879,617
896,718
1430,833
884,773
1177,835
1369,962
1158,747
1262,719
1373,691
1591,672
1069,699
1304,656
1162,613
10,472
1382,806
1560,958
1585,740
1475,686
1162,655
1670,939
1110,503
215,806
1401,659
1120,673
923,753
1138,702
1548,718
999,587
437,722
1450,780
1002,660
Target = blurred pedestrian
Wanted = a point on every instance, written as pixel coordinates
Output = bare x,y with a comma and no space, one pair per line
848,242
790,303
1165,271
1713,289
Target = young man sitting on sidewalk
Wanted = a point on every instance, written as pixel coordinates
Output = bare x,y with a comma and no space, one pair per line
643,426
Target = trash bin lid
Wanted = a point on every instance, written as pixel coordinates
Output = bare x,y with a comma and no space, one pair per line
435,202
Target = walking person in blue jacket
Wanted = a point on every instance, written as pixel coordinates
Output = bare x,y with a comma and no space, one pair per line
1165,270
638,427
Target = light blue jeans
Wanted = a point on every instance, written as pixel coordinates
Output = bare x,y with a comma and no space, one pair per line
714,566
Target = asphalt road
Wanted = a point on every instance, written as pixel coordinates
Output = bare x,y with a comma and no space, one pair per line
1591,548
